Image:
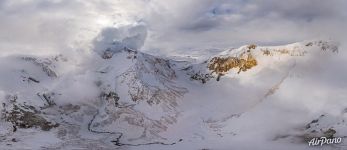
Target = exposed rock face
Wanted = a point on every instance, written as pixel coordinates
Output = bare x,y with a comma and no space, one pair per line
320,127
47,65
23,116
107,54
241,62
324,45
201,77
221,65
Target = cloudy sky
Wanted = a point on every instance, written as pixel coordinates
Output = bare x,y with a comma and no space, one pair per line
167,26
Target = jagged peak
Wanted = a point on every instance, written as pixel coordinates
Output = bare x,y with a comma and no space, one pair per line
247,57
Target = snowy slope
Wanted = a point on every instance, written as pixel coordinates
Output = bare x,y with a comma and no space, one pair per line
124,98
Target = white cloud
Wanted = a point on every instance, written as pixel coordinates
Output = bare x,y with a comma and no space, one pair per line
38,26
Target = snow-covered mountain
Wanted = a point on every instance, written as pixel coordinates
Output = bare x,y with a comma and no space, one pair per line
123,98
